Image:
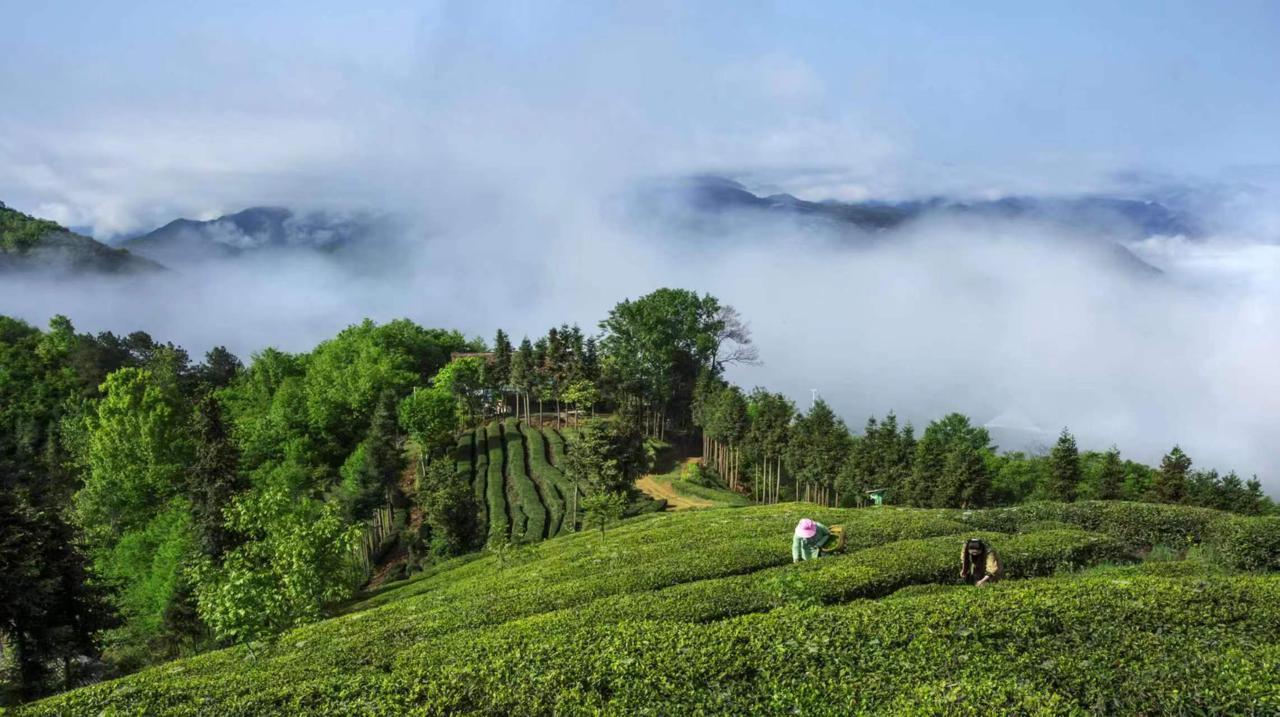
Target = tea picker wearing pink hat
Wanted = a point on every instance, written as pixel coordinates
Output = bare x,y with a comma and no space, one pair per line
810,537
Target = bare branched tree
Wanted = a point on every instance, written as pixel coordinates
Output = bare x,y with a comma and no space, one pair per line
733,340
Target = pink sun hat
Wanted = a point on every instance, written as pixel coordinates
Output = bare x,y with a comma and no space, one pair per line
806,528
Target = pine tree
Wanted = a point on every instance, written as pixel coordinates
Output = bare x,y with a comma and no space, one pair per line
1064,468
1111,475
370,475
965,481
214,478
1170,484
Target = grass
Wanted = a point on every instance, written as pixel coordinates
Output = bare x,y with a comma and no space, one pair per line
702,612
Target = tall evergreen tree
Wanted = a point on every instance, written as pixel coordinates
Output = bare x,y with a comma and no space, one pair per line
214,477
1064,468
371,474
965,481
1170,484
1111,475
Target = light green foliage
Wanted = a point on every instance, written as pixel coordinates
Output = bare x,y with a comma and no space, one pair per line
131,506
1246,543
298,559
431,417
464,379
583,622
20,232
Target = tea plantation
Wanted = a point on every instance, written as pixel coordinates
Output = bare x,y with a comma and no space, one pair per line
702,612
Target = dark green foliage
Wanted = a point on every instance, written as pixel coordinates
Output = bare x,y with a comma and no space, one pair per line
552,483
965,481
1170,484
449,507
370,476
606,457
818,447
500,368
213,479
1110,475
219,369
880,458
477,451
939,440
496,489
1064,468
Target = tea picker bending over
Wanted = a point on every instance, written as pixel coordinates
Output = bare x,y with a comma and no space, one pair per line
979,563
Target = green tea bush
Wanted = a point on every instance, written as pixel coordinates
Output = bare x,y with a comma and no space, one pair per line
1139,645
550,480
496,489
702,612
1143,525
556,442
535,514
1247,543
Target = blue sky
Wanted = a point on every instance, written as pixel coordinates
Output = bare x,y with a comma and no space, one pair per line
118,115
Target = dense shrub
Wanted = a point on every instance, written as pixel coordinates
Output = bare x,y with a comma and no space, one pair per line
702,612
1247,543
534,526
551,482
1031,648
1143,525
496,489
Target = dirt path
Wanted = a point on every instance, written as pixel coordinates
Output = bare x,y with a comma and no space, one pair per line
661,490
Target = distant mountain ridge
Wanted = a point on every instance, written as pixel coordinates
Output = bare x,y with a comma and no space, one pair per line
30,244
1119,218
255,229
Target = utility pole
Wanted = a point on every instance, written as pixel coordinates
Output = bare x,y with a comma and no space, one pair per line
813,398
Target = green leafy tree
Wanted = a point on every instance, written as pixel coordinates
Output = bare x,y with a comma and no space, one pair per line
1170,483
431,416
463,378
658,344
771,416
296,559
1064,468
603,509
132,506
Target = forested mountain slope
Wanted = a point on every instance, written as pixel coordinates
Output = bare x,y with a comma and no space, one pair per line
31,244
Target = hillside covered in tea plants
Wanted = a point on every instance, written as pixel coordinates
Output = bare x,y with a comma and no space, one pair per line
1108,608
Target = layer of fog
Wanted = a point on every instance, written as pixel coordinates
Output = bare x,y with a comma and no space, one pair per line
992,319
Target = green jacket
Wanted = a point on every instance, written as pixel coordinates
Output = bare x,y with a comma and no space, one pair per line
807,548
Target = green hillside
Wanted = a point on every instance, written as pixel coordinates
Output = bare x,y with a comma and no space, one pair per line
702,612
29,243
